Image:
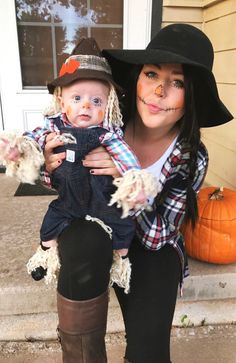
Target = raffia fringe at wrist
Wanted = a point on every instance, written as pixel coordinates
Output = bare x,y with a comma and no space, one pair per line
27,168
48,259
120,272
130,185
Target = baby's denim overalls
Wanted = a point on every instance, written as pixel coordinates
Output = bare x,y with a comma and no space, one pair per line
81,193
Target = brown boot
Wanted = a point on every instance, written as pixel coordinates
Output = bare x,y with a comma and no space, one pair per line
82,329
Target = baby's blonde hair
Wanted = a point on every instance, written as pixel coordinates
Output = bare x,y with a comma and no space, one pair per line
113,116
54,106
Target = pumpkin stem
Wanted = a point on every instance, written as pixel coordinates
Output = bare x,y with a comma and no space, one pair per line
217,194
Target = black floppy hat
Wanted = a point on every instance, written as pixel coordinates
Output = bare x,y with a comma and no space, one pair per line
85,62
184,44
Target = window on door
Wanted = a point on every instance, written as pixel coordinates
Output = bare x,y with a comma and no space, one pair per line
48,30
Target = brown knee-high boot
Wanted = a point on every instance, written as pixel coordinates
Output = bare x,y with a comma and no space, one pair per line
82,329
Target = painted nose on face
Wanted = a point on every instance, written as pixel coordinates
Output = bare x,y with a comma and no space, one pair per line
86,105
159,91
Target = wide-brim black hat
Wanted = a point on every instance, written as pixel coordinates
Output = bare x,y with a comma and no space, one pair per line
85,62
184,44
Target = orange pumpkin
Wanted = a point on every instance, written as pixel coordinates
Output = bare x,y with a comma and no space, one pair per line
214,237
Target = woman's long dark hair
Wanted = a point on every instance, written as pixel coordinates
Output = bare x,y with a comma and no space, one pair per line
190,132
188,126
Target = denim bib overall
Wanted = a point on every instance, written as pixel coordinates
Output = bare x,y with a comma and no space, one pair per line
81,193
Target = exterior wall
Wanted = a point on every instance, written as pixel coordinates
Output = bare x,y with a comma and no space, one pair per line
216,18
182,11
219,25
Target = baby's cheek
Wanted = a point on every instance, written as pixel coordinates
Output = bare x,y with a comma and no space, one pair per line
100,115
68,111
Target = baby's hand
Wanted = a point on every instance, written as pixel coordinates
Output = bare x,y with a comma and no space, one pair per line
13,154
9,153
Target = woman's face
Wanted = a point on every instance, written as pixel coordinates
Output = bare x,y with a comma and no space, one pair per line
160,95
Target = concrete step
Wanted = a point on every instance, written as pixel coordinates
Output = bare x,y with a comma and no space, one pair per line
42,326
206,282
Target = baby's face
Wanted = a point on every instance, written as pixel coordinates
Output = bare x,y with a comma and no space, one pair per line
84,102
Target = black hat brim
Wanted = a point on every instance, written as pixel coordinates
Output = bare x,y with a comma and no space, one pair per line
121,61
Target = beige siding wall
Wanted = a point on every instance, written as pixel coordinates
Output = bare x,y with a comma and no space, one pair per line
182,11
217,19
219,25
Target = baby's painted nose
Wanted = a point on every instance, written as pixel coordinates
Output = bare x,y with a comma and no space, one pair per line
86,105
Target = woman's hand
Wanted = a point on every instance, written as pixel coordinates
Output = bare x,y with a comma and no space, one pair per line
52,161
100,163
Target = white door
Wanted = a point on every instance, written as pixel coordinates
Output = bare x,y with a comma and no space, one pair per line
1,118
23,99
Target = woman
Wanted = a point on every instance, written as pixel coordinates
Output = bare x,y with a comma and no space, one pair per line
170,94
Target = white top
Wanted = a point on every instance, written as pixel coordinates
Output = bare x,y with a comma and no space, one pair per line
156,167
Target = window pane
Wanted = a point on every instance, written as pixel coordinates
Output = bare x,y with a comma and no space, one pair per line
48,30
108,38
71,11
35,55
108,12
30,10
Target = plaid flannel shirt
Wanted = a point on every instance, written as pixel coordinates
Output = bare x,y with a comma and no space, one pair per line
162,225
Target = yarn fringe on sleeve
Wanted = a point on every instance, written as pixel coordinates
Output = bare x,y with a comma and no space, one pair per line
27,168
129,186
120,272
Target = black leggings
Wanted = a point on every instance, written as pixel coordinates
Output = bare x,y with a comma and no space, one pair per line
85,251
149,307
